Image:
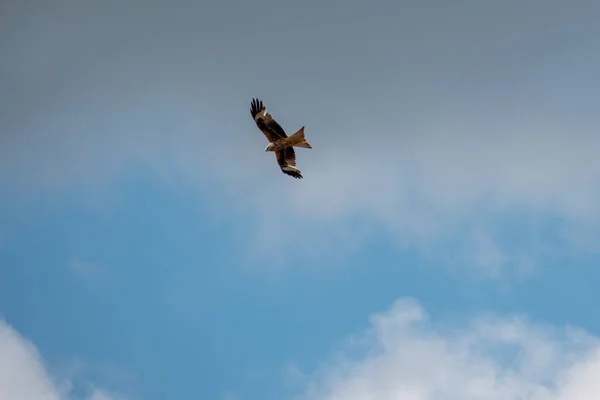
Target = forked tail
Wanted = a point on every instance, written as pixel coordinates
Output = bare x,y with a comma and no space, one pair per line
299,140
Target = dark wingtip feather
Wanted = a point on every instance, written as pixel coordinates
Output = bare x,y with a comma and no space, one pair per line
294,174
256,106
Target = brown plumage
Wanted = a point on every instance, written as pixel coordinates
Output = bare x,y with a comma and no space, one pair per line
279,142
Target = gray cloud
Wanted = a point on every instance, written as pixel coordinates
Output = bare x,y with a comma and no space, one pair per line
427,118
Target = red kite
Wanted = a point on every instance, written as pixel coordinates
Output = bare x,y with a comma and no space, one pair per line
279,142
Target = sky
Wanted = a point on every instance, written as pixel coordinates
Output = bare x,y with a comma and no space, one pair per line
444,243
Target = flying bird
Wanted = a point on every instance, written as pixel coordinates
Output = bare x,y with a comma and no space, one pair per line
279,142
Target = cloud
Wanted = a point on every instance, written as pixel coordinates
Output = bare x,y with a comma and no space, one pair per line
87,271
427,154
442,178
23,375
407,356
456,182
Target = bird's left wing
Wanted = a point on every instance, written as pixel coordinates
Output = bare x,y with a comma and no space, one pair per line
265,122
286,158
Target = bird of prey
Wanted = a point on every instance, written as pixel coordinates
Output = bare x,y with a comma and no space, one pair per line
279,142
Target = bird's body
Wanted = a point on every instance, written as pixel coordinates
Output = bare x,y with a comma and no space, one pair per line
279,142
296,140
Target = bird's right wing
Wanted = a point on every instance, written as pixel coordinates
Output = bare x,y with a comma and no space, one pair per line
265,122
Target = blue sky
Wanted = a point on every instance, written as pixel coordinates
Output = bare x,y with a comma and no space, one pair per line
443,243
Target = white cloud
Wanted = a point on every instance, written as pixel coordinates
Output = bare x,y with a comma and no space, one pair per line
23,375
99,394
406,356
87,271
447,182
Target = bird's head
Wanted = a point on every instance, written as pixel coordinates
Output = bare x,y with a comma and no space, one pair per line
269,147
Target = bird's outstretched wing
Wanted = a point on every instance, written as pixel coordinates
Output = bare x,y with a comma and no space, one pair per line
286,158
265,122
